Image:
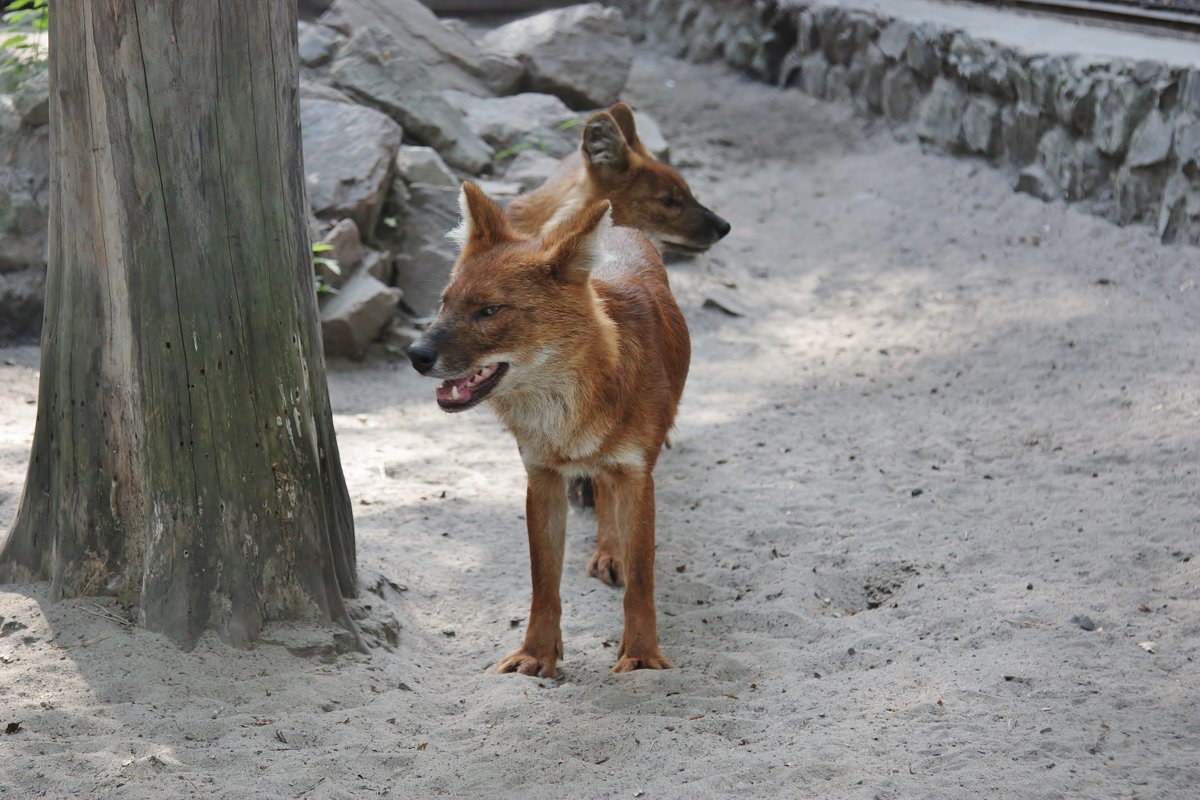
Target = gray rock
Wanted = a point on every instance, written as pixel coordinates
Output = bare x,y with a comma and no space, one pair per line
530,168
837,84
981,125
319,91
32,100
453,61
317,44
806,33
424,256
871,87
581,53
377,69
1036,81
379,266
1151,142
1033,180
524,121
922,53
347,252
1089,171
1054,154
400,335
1189,90
837,35
356,315
901,94
1075,101
813,71
1137,194
500,191
423,165
1187,140
740,46
1179,214
22,299
981,65
893,40
24,209
702,44
348,154
652,137
1022,127
789,68
1120,106
941,117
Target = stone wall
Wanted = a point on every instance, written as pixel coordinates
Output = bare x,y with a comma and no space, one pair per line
1120,137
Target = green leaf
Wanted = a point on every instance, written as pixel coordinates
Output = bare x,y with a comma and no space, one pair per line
571,123
390,222
512,151
330,263
322,247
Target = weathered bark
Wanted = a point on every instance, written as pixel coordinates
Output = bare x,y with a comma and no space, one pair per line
184,451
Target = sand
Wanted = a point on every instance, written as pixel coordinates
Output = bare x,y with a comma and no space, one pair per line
950,420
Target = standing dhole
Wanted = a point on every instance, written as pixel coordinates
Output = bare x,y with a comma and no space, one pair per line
576,341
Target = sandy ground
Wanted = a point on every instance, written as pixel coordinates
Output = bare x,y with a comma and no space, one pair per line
951,419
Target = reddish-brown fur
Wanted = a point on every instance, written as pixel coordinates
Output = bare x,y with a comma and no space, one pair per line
612,164
597,352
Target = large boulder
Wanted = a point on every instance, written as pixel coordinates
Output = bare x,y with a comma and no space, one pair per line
424,254
423,165
32,100
21,303
453,60
531,168
357,315
317,44
348,154
521,122
376,69
580,53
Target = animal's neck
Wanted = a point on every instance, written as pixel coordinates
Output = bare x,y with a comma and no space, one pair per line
560,400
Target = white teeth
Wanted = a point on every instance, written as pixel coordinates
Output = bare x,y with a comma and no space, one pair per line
454,392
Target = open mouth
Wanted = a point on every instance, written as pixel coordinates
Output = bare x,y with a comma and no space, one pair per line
463,393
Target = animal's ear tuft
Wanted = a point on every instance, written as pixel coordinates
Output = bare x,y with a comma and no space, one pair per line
604,146
576,247
483,222
623,116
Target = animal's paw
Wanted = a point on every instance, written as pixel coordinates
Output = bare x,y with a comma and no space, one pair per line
527,663
629,664
607,568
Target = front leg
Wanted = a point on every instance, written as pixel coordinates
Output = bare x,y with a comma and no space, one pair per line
546,517
629,497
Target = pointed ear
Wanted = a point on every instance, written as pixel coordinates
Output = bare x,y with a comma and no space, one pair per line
575,247
623,116
604,147
483,222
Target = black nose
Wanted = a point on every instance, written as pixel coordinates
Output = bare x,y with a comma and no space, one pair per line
721,226
422,356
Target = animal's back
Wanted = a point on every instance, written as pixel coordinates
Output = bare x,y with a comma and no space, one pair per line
636,291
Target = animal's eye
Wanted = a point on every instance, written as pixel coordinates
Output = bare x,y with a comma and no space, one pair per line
488,311
670,201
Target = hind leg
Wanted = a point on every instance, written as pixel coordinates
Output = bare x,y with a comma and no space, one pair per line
605,563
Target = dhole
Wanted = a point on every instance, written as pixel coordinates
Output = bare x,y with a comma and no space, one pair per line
612,164
576,341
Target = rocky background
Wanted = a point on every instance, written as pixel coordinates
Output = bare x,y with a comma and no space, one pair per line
1120,137
397,108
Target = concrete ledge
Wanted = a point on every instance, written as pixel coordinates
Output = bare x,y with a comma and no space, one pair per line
1098,116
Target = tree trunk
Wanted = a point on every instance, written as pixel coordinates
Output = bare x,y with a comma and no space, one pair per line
184,451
